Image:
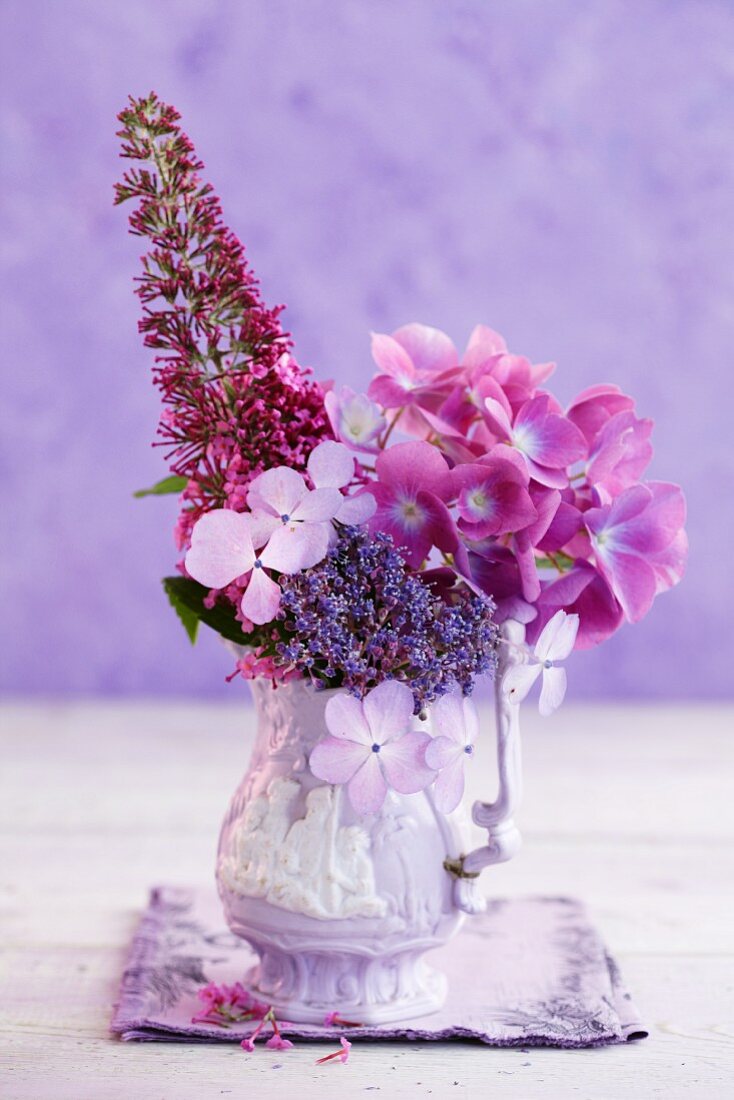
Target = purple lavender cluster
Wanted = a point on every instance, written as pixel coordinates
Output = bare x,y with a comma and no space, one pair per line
360,617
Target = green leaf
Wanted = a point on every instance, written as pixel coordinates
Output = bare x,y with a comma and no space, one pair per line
188,617
187,599
172,484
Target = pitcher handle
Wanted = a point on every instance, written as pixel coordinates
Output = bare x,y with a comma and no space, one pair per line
503,836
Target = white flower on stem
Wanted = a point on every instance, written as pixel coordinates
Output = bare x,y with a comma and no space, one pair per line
554,644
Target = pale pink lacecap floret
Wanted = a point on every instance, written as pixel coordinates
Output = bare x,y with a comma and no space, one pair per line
372,747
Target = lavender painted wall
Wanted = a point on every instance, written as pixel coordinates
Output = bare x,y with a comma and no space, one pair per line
562,171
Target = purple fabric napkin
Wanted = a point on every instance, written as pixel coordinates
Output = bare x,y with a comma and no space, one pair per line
528,972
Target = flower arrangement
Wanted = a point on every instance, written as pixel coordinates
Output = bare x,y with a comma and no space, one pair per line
375,542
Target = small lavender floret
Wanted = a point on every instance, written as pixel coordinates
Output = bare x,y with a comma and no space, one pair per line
361,617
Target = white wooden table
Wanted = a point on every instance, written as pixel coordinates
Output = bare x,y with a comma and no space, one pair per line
629,808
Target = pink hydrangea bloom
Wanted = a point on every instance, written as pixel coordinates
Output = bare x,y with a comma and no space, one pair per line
455,719
372,747
639,543
411,488
572,554
555,644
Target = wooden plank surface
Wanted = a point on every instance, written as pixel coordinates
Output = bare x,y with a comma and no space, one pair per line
630,808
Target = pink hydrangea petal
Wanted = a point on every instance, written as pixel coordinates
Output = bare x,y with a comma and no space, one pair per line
388,709
388,392
448,790
518,681
336,759
497,418
443,751
655,528
414,466
527,567
546,501
331,465
262,525
261,600
429,348
484,343
296,546
393,359
357,509
553,479
345,718
441,528
277,491
670,564
626,507
448,717
471,720
404,762
548,439
318,506
541,372
333,405
553,690
356,419
412,520
590,410
585,592
633,582
512,510
221,548
566,523
507,456
367,788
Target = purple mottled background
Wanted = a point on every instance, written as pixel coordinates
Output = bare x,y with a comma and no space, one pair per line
561,171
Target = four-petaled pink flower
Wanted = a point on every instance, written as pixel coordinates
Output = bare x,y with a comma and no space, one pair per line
492,495
288,529
372,747
544,437
413,483
639,543
356,419
455,719
554,644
